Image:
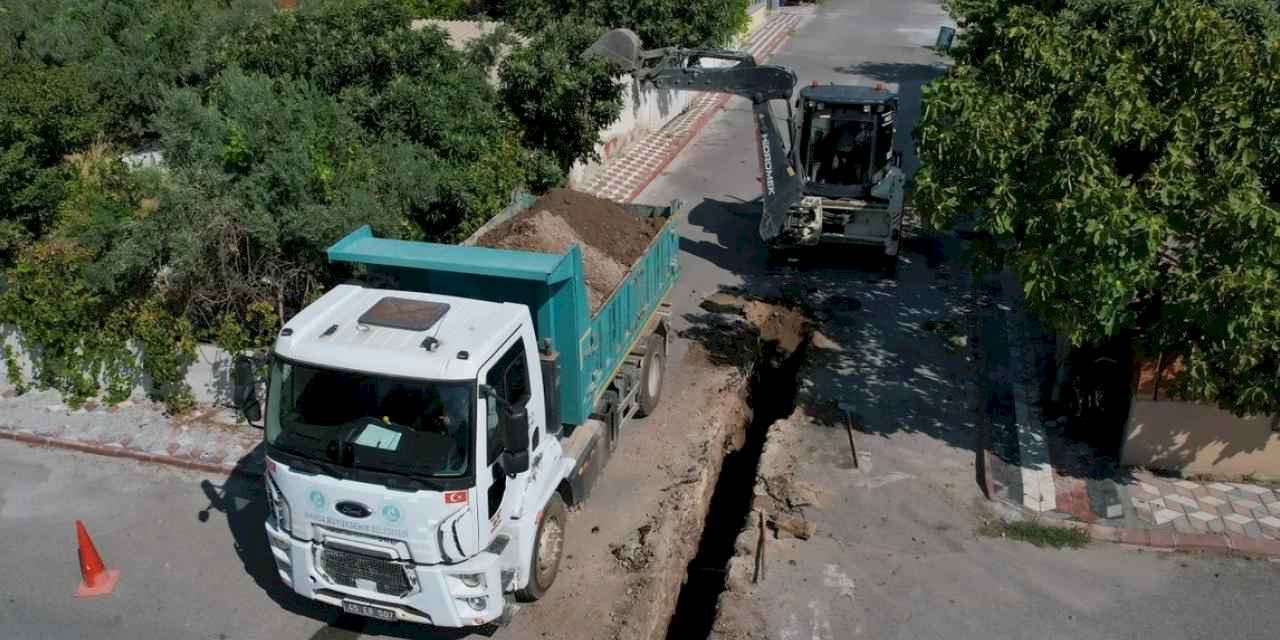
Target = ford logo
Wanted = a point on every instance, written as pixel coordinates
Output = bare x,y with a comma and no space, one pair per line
352,509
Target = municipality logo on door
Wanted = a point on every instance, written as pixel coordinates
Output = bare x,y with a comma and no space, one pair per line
316,499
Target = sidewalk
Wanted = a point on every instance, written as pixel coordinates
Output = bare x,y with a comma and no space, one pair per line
647,157
1044,473
206,439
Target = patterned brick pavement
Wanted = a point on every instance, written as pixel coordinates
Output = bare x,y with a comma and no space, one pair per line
1188,506
628,175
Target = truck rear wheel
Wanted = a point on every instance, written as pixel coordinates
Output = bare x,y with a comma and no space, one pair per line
653,370
548,548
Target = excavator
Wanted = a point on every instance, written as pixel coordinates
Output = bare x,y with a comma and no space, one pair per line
835,179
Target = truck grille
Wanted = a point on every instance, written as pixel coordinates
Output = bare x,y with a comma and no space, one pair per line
345,568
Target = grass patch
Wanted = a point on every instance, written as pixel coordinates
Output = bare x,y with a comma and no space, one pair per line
1036,533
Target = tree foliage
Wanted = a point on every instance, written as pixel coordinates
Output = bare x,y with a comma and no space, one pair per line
130,51
45,113
562,101
409,86
85,322
1125,158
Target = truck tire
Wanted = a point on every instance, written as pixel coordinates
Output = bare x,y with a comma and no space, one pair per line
548,549
653,372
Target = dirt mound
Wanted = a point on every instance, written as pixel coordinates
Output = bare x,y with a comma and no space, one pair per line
601,223
545,232
611,239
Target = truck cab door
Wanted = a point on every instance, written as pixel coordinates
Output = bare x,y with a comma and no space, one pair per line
509,386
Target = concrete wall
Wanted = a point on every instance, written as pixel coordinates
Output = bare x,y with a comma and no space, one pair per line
209,375
1196,438
1193,437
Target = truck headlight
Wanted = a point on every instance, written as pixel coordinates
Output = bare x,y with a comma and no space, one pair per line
471,580
478,603
279,511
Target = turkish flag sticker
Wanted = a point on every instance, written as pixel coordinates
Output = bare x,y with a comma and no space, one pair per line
455,497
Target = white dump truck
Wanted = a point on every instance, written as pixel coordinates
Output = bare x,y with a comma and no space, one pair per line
424,436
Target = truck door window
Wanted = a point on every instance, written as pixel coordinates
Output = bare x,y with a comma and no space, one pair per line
509,378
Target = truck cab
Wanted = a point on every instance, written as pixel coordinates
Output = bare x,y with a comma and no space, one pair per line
405,435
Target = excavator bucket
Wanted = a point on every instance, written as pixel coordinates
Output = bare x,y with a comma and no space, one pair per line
620,46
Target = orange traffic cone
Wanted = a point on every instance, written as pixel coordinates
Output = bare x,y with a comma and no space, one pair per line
98,580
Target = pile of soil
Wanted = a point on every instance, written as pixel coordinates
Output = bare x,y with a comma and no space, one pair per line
611,239
545,232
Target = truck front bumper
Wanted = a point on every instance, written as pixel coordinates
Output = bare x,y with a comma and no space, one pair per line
435,594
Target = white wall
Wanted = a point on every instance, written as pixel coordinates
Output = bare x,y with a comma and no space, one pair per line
209,375
644,110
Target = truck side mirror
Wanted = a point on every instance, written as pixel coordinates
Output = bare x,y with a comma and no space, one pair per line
244,389
515,431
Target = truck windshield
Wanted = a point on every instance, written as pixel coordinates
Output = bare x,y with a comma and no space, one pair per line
376,423
839,149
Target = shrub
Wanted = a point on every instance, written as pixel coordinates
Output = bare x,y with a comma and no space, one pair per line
562,101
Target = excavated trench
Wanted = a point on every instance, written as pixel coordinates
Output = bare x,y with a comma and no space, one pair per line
771,395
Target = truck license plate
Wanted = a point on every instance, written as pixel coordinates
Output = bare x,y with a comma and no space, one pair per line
361,609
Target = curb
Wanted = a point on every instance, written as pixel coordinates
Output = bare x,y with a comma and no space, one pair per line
130,454
717,105
1172,540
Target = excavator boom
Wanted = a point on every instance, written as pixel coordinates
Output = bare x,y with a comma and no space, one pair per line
732,72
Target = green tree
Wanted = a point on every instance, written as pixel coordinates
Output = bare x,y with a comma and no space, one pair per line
85,323
409,85
131,50
1125,159
562,101
45,113
266,174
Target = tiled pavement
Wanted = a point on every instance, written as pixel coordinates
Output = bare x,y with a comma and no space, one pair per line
627,176
1188,506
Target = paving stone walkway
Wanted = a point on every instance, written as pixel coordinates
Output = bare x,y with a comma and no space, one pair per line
627,176
1188,506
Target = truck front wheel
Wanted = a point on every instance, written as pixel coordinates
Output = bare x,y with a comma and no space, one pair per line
548,548
653,369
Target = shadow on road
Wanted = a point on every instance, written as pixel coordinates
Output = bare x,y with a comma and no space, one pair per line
910,78
243,500
898,343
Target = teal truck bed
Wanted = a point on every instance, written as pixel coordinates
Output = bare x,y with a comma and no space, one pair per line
590,347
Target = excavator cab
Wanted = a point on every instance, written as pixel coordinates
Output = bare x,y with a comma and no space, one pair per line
846,138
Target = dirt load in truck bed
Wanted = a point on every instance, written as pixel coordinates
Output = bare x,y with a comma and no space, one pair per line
611,239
